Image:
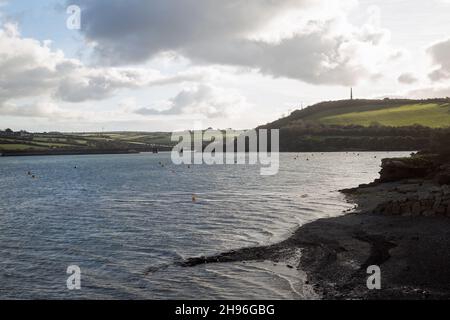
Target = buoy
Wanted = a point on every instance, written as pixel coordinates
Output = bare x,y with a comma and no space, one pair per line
194,198
29,173
33,176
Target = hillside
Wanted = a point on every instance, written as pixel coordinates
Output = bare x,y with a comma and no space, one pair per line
58,143
432,113
61,143
363,125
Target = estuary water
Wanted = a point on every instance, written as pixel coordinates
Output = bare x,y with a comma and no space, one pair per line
126,220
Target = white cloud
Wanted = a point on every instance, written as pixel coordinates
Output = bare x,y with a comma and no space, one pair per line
42,109
31,69
200,100
429,92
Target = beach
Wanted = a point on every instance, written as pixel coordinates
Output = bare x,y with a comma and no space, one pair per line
410,246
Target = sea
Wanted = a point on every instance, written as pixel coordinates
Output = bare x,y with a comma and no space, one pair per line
127,221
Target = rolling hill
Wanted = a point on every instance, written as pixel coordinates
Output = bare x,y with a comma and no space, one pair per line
364,125
432,113
389,124
61,143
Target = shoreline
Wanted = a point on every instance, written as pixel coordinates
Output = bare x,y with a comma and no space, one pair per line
70,153
76,152
159,150
409,244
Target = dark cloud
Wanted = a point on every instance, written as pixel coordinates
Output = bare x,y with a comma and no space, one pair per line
440,53
407,78
215,32
133,30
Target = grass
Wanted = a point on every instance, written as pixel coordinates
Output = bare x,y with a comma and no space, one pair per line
43,141
52,144
18,147
431,115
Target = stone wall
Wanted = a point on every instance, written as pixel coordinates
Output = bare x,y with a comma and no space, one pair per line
433,202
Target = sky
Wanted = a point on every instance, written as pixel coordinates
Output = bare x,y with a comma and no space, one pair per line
169,65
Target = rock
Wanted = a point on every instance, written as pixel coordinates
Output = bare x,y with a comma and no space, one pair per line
441,211
434,189
428,203
428,213
437,203
408,188
389,208
395,209
416,209
446,190
423,195
405,209
443,178
413,181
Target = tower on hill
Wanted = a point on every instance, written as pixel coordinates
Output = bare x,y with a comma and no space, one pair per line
351,93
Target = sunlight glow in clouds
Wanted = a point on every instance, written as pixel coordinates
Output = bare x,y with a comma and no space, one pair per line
156,65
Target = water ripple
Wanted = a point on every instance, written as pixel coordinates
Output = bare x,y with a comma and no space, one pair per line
125,221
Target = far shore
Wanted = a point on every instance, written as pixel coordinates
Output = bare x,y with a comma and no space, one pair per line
70,152
64,153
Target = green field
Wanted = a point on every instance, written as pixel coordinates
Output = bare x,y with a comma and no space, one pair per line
139,141
18,147
431,115
327,122
70,141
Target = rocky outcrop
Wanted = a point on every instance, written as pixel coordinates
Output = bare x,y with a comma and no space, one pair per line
422,186
418,166
406,168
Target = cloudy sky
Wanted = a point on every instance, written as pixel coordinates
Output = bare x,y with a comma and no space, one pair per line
175,64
